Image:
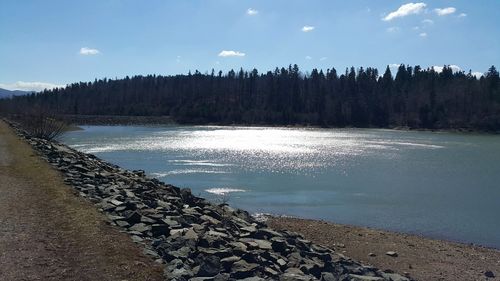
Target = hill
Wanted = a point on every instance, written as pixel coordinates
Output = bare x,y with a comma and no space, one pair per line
4,93
413,97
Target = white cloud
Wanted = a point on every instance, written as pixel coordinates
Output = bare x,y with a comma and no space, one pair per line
405,10
392,29
252,12
416,28
428,21
178,59
323,58
89,51
30,86
445,11
394,65
423,34
308,57
462,15
225,53
477,74
454,68
307,28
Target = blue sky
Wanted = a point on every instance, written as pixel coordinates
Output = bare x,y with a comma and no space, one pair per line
55,42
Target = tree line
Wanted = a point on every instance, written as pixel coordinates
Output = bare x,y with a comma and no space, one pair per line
413,97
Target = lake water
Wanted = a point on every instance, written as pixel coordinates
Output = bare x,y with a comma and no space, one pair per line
441,185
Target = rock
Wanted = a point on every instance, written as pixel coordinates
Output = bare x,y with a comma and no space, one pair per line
133,218
122,224
191,235
201,279
221,277
392,254
210,219
147,220
182,253
371,255
312,269
294,274
137,239
241,269
279,245
216,233
179,272
281,262
159,229
355,277
328,276
263,244
253,279
140,227
209,266
489,274
221,253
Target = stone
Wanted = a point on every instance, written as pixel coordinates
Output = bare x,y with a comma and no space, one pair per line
489,274
253,279
140,227
182,253
133,218
147,220
216,233
209,266
159,229
241,269
392,254
355,277
238,247
281,262
191,235
371,255
122,224
328,276
312,269
271,271
263,244
210,219
221,253
222,277
279,245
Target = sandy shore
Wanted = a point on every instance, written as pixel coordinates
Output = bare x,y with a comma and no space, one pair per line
421,258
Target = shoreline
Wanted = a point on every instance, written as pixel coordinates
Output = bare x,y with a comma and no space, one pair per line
265,217
111,120
420,257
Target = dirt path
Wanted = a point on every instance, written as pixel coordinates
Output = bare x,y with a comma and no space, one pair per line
424,259
48,233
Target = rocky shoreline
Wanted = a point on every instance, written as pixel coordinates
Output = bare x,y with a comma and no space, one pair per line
194,238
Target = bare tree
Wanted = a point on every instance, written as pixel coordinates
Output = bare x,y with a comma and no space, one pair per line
42,123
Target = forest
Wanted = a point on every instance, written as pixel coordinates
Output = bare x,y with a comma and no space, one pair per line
412,97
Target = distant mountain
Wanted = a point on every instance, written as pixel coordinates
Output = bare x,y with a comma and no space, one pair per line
8,93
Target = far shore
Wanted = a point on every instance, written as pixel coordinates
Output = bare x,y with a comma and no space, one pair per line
111,120
418,257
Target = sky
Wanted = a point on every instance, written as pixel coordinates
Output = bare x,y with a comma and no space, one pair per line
50,43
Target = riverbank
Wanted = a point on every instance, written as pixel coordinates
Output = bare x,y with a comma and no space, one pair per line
193,238
103,120
419,257
48,233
